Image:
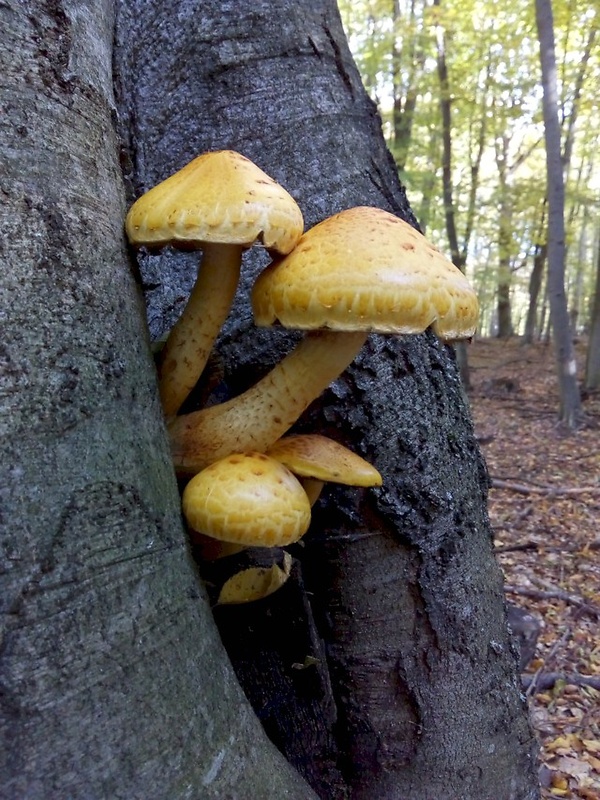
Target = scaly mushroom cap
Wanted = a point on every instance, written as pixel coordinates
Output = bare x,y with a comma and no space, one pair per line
365,269
248,499
311,455
219,197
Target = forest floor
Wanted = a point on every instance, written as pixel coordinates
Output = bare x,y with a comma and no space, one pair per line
545,512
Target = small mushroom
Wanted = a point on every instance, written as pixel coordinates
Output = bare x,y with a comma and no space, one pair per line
317,459
247,499
361,270
255,583
221,203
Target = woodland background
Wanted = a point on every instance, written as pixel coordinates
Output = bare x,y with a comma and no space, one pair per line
459,89
114,681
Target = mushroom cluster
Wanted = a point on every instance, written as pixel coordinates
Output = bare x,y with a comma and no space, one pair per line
362,270
359,271
220,203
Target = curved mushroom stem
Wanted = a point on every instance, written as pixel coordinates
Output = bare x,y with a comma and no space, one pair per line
262,414
313,488
212,549
189,344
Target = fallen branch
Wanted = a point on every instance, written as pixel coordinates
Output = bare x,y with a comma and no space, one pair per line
556,594
548,680
552,548
539,674
521,488
511,548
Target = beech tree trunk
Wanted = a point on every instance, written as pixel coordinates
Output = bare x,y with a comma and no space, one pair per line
532,329
458,252
592,363
113,681
570,403
384,668
504,303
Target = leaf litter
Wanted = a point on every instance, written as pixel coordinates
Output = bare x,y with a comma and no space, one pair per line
544,508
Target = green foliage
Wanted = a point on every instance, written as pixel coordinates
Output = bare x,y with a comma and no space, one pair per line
492,57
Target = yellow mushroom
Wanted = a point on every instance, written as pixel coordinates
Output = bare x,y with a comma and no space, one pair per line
361,270
247,499
220,203
317,459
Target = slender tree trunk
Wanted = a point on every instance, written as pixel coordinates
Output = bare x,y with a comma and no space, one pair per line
405,102
535,284
570,403
406,686
504,306
575,292
592,364
570,119
429,181
446,114
113,681
458,254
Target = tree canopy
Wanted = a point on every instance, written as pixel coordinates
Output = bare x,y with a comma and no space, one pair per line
498,149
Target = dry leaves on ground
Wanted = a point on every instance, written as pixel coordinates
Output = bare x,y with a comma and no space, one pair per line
545,511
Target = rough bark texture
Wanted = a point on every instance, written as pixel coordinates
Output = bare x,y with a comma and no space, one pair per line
413,692
113,681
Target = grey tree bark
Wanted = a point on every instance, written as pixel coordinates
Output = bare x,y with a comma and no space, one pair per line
113,681
503,294
592,362
532,323
570,403
411,691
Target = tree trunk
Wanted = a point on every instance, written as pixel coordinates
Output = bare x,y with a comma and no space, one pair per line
405,89
570,403
458,254
504,306
113,681
592,364
535,285
410,689
446,114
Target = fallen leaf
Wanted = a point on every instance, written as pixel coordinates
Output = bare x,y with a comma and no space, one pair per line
574,767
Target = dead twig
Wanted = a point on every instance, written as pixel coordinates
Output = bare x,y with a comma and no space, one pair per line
511,548
521,488
547,680
556,594
551,548
567,633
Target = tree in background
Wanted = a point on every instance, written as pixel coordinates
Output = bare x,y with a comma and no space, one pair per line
592,365
114,683
570,404
492,69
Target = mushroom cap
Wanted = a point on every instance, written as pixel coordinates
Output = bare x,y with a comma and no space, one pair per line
365,269
220,197
311,455
248,499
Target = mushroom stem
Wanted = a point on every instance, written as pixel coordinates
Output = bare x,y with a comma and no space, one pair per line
313,488
262,414
189,344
